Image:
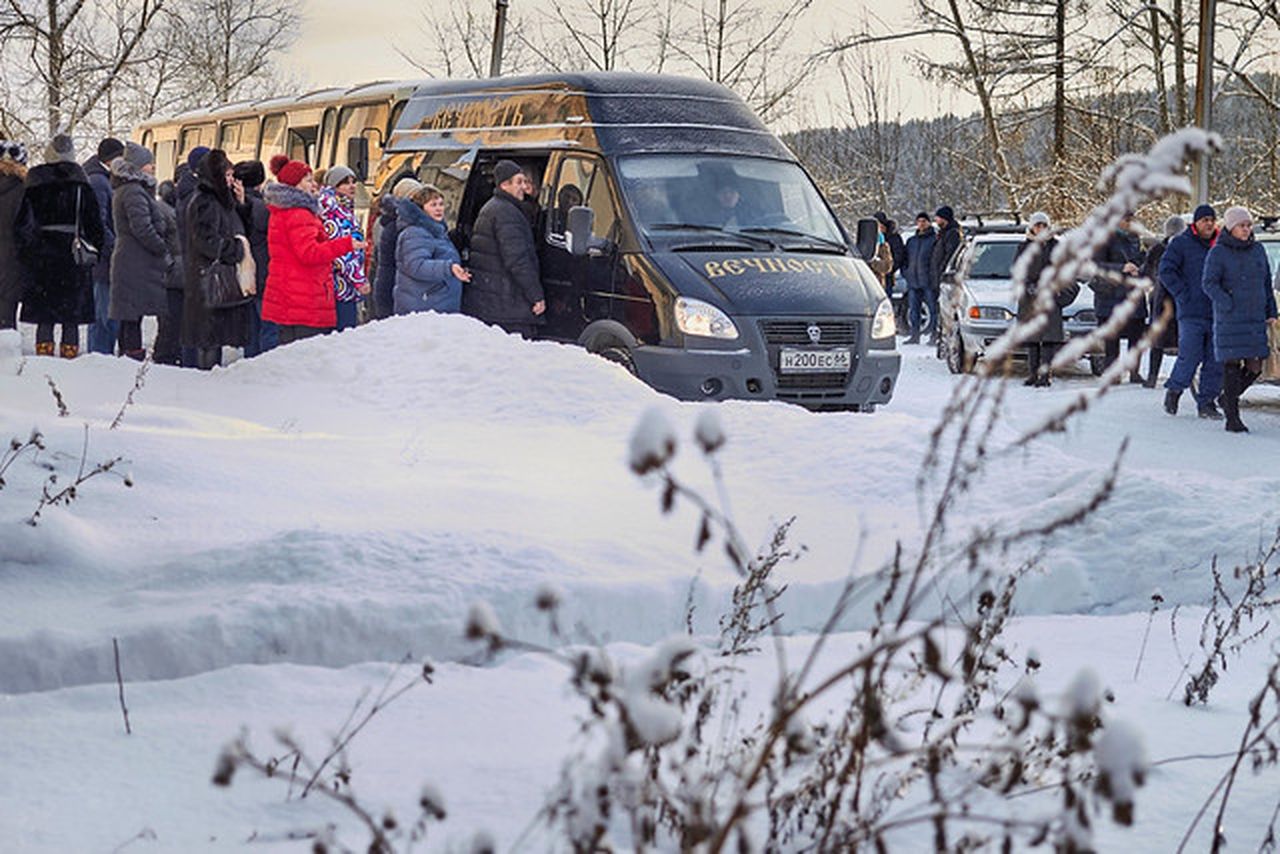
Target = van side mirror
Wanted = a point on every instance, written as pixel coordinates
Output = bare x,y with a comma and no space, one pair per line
358,157
577,231
868,236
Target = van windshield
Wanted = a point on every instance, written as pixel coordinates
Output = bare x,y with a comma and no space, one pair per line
772,199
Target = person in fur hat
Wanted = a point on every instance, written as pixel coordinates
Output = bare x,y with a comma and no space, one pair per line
57,203
13,275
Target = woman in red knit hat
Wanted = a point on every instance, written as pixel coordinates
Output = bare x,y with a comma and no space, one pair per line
299,295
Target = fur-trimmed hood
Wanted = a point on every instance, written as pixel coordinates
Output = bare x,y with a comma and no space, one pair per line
284,196
124,172
60,172
12,169
413,216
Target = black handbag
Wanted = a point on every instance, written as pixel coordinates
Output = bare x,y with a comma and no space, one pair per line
83,253
220,286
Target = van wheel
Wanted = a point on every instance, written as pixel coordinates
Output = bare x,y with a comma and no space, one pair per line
619,355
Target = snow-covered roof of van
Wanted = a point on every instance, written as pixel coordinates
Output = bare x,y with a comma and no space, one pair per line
622,112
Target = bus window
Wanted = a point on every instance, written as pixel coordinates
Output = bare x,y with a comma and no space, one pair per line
368,120
193,137
326,139
302,144
273,137
239,139
147,139
166,158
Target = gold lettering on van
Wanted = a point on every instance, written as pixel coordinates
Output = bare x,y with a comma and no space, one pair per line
734,267
713,269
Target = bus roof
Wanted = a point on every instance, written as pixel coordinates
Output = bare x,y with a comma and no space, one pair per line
375,90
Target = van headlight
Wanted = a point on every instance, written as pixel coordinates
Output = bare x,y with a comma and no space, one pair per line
695,317
883,326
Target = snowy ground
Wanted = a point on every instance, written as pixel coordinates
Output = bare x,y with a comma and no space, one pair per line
298,518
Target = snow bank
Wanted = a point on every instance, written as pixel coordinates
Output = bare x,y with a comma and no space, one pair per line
346,498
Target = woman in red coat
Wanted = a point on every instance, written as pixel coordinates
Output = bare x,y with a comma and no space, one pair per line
299,295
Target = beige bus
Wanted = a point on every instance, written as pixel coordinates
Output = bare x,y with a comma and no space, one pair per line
328,127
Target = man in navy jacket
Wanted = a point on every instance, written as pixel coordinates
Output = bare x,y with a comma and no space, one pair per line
1181,271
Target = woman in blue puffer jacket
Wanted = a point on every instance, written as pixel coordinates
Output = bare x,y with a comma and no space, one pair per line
1237,279
429,272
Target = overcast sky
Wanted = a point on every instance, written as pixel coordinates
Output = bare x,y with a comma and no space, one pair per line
345,42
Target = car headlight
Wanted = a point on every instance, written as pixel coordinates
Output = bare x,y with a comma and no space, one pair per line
883,326
695,317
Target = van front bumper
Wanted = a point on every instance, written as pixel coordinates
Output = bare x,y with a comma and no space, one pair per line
752,373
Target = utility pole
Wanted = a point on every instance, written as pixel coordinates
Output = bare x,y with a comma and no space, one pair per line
1204,97
499,35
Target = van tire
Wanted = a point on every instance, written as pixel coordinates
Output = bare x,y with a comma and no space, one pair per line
619,355
958,361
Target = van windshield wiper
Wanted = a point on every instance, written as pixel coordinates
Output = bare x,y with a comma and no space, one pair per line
791,232
694,226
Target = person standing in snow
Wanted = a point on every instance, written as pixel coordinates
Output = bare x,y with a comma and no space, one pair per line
1160,300
141,261
897,249
387,234
104,331
337,203
1237,279
948,241
915,268
13,275
57,202
213,235
429,273
251,174
300,294
1042,346
1120,262
506,286
1181,271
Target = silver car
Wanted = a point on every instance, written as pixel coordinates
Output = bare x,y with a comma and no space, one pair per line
978,305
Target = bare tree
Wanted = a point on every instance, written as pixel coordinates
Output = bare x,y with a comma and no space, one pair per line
229,46
71,52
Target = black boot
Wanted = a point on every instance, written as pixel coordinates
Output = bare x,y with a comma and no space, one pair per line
1171,401
1208,410
1153,366
1232,386
1033,364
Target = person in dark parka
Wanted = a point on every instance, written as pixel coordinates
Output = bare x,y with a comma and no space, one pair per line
1181,272
13,274
213,227
1119,258
1043,345
60,292
386,234
915,269
429,273
104,331
167,349
252,174
1159,300
141,260
948,241
506,288
1237,279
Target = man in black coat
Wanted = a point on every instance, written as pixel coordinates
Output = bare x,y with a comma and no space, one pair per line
948,241
506,287
103,331
1120,262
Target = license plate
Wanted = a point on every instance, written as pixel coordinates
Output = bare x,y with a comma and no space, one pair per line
816,361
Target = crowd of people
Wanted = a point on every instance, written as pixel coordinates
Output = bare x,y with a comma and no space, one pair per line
104,243
1211,283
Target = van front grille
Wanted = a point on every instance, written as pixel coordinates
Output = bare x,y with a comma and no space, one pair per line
792,333
789,332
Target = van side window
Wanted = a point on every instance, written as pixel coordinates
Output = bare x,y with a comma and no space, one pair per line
582,181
